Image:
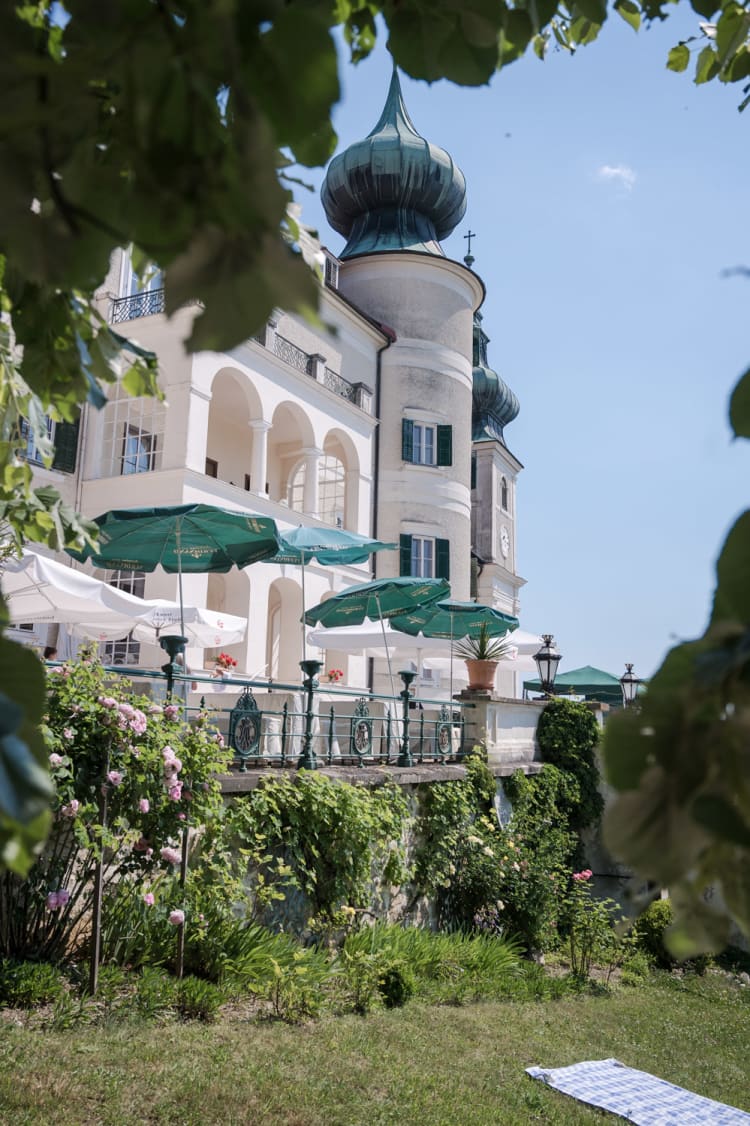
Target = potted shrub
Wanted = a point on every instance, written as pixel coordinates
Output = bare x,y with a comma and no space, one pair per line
482,654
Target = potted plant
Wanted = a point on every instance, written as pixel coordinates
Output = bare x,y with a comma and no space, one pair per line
482,654
223,664
335,675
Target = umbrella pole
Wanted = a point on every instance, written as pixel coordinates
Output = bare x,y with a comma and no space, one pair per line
179,580
304,644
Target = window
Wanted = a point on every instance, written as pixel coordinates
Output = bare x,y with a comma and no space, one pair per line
125,651
425,557
504,494
212,467
332,486
125,422
425,443
247,482
30,450
296,491
331,270
138,450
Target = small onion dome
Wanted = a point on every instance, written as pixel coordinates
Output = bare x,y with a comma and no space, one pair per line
393,190
493,403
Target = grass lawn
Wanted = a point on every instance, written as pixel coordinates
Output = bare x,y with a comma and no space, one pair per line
461,1066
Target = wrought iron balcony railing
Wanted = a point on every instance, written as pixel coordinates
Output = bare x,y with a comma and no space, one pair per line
137,305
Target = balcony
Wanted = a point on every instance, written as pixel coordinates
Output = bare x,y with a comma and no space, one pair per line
138,305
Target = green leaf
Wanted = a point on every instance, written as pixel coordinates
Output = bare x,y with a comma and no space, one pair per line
707,66
678,58
731,31
705,8
630,12
738,68
723,819
732,597
457,39
739,407
593,10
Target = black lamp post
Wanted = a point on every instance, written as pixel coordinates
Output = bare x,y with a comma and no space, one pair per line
547,660
629,684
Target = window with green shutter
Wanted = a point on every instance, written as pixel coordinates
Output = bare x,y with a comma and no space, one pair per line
445,445
407,439
405,555
442,559
66,446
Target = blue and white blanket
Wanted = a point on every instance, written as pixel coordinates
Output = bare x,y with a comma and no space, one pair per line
637,1096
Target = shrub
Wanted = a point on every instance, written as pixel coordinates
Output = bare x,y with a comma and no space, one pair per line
568,734
335,838
24,985
396,984
635,968
158,775
649,929
590,922
197,999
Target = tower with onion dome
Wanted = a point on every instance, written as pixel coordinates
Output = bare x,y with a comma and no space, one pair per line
494,473
394,196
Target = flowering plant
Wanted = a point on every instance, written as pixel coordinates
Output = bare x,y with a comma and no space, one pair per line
225,661
335,675
130,775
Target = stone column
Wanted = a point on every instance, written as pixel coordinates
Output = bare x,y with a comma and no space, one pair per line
259,456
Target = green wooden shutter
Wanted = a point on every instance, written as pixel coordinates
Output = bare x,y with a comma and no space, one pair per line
405,550
407,439
445,445
442,559
66,446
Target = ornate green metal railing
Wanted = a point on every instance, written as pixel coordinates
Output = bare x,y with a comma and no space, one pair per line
267,723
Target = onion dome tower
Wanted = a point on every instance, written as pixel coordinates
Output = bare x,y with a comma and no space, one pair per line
393,190
494,404
394,196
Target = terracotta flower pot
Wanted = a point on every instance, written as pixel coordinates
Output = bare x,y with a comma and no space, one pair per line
481,675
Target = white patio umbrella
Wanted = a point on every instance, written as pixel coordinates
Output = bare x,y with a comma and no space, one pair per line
39,589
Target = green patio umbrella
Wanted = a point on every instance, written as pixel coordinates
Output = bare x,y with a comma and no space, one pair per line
193,538
326,545
379,600
454,620
593,683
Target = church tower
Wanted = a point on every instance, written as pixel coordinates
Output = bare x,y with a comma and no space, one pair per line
394,196
494,474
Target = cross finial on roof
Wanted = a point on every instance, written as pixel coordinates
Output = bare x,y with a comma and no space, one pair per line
469,258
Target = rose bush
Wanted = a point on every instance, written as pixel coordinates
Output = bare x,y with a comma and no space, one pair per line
130,777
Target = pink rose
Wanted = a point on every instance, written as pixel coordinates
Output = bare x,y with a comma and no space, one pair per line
52,901
55,760
115,777
171,855
171,711
177,918
148,899
155,709
144,805
175,791
71,809
68,733
107,701
181,816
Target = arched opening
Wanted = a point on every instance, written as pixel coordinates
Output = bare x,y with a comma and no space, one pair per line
290,434
229,442
504,494
284,639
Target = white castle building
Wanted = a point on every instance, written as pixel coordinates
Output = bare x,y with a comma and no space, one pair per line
389,422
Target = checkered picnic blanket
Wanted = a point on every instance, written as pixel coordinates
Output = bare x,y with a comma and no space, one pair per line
637,1096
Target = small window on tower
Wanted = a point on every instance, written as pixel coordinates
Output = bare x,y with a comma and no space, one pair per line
504,494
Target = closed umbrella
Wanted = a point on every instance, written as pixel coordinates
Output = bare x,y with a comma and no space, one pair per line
328,546
454,620
193,538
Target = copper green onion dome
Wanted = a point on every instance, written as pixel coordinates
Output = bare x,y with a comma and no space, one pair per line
393,190
493,403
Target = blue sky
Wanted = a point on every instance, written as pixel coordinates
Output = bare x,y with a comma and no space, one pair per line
608,195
